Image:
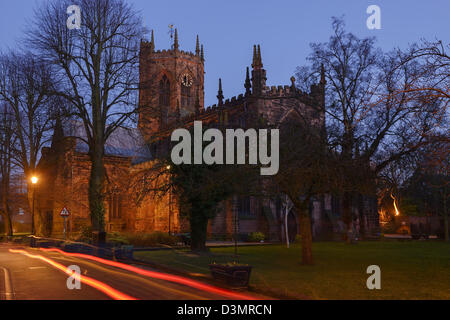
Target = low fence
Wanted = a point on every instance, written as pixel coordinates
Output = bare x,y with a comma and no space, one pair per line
106,251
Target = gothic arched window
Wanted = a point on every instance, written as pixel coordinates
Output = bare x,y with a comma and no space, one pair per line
164,92
115,206
186,100
244,206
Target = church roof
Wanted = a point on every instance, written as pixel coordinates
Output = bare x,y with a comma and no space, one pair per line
123,142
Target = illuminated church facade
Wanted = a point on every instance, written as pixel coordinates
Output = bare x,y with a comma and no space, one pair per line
172,96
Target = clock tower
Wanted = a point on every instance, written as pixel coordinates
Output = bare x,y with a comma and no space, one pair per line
171,85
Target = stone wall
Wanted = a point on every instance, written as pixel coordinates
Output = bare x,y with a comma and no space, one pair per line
64,182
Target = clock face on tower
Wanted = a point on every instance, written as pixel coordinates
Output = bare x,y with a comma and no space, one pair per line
186,80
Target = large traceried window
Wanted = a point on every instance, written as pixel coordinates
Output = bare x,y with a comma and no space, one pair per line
164,92
186,99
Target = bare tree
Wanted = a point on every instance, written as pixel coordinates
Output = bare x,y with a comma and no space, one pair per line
98,68
25,88
7,146
372,117
434,76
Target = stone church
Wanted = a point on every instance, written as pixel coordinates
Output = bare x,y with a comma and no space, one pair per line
172,96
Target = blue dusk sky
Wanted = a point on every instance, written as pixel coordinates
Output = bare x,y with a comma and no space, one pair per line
284,28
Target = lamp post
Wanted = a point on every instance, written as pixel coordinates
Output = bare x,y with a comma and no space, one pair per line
235,209
34,181
170,199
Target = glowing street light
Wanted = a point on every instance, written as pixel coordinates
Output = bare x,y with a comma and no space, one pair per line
34,181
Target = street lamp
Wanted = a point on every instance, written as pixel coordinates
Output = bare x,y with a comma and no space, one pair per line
34,181
170,198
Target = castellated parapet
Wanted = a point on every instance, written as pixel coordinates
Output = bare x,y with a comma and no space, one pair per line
146,48
274,104
181,74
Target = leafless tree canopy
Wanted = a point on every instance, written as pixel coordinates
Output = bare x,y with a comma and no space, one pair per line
97,67
373,111
28,115
26,88
7,145
97,64
434,77
381,108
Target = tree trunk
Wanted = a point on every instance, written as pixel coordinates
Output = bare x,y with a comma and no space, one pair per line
33,202
347,215
446,217
7,219
6,210
96,191
305,231
446,226
199,227
362,215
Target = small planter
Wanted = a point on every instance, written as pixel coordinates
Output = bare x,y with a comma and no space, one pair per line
235,276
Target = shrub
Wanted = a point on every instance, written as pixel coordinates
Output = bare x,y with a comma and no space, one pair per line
117,239
84,235
256,237
146,239
298,238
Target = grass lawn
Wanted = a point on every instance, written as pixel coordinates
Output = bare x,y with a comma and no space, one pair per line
409,270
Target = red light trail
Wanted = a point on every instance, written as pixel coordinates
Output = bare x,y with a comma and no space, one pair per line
103,287
159,275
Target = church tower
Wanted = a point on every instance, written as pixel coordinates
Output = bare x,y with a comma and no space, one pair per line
172,85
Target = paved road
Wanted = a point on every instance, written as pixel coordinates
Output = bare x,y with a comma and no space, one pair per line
24,276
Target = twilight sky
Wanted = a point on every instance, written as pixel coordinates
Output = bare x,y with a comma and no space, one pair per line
284,28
